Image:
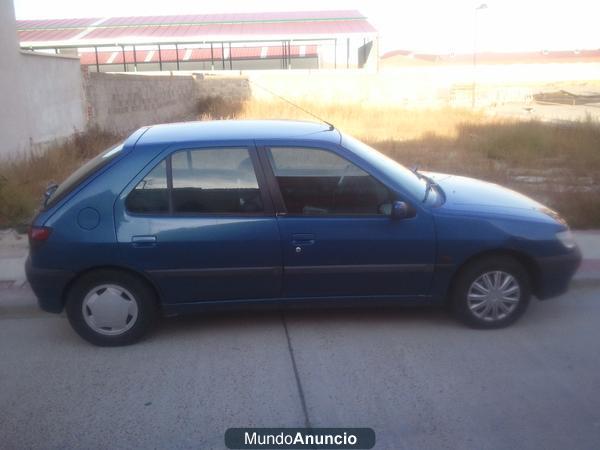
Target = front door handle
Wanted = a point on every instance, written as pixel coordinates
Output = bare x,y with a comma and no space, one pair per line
143,241
303,239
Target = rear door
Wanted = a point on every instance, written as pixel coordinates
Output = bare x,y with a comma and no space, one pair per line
337,235
201,225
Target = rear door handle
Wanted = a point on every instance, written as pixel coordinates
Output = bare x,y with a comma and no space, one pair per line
143,241
303,239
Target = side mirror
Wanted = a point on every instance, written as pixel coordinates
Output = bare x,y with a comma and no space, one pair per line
400,210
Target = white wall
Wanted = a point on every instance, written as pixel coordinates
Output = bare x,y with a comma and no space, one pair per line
12,111
53,94
42,99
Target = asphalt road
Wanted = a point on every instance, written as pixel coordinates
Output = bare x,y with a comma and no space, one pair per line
419,379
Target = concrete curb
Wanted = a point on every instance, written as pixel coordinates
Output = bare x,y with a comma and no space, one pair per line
588,273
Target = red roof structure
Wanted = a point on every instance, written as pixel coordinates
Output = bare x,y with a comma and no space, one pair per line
188,28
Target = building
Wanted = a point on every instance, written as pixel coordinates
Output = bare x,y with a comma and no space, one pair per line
278,40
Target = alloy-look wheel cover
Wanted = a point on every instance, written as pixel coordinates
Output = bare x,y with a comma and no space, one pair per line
109,309
494,296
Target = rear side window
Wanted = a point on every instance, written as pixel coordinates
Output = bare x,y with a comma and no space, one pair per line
314,181
85,171
199,181
151,194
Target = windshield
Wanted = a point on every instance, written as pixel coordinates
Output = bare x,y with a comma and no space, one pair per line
82,173
415,185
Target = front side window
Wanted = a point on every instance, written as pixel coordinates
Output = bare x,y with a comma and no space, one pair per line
414,184
315,181
201,181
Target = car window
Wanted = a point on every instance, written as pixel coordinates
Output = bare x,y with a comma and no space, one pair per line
151,194
315,181
202,181
408,179
220,181
82,173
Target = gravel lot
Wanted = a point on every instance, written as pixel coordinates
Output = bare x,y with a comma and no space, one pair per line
415,376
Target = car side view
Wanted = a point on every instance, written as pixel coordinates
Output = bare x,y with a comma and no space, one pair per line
194,216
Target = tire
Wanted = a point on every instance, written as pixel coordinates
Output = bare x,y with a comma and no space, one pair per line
111,307
470,302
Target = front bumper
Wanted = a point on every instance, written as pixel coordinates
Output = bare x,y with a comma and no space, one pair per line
48,285
555,273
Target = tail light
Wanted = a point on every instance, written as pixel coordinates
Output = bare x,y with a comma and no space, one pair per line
38,235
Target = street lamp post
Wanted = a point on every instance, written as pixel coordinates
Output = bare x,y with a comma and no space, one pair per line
477,9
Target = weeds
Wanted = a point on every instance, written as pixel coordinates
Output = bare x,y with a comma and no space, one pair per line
444,140
23,180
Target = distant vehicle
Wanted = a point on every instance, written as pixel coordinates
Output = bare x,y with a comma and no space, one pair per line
191,216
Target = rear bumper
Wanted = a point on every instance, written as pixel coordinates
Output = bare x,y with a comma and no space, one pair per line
555,273
48,285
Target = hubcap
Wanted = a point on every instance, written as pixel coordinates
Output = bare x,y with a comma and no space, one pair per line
494,295
109,309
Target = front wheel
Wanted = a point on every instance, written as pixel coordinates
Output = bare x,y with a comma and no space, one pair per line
110,308
491,293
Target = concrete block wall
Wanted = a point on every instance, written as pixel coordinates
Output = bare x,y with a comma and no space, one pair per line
415,87
121,103
343,86
230,87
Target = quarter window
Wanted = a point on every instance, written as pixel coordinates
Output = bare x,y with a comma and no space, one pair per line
151,194
314,181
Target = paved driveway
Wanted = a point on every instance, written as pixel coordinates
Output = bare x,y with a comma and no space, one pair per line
415,376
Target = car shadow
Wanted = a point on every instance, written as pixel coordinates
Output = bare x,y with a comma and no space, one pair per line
237,320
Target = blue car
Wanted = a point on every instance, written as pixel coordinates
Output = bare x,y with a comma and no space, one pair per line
194,216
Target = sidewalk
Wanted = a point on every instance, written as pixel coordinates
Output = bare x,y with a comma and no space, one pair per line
14,247
589,243
13,253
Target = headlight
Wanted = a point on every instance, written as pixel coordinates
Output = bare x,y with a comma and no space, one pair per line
567,239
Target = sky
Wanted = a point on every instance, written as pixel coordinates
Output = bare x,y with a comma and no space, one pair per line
432,26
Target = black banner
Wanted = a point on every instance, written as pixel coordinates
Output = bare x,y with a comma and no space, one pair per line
300,438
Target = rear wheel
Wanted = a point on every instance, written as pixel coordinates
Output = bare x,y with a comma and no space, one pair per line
492,292
110,308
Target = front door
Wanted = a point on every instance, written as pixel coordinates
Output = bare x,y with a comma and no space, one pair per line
200,225
337,235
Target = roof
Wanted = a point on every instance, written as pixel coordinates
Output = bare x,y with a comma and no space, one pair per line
234,130
190,28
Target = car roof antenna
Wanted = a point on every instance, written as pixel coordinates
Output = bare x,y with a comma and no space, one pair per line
331,126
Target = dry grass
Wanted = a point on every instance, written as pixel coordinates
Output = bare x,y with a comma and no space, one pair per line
23,181
446,140
367,123
565,158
